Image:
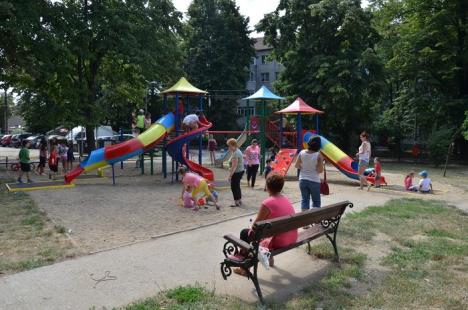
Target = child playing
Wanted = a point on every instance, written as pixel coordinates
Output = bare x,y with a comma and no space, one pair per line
425,184
268,170
53,164
25,162
409,182
198,183
378,173
62,153
212,149
189,201
70,155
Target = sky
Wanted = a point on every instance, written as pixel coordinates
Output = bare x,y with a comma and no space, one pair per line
254,9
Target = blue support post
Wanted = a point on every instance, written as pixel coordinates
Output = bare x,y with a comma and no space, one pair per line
177,127
121,139
113,175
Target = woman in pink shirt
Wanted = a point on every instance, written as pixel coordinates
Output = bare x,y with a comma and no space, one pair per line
252,157
276,205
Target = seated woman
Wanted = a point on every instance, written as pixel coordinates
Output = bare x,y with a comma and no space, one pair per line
276,205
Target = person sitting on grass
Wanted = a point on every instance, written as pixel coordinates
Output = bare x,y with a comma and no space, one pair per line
276,205
409,182
425,184
198,184
25,162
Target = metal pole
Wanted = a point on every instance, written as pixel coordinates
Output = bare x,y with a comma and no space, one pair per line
177,126
200,154
113,175
281,130
164,153
121,139
263,138
299,132
5,124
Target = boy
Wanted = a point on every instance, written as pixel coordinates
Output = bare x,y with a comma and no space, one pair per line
425,184
268,170
25,162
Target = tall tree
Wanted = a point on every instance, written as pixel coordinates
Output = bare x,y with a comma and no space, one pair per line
425,50
218,51
92,57
327,48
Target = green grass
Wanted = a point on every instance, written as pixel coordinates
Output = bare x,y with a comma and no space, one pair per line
423,265
27,237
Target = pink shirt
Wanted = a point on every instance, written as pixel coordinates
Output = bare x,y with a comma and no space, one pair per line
408,182
279,206
252,155
192,179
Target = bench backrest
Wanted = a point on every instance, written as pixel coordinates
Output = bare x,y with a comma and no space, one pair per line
270,228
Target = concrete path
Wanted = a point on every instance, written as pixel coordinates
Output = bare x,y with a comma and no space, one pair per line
141,270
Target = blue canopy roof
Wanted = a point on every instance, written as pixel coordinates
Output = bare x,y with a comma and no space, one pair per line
263,93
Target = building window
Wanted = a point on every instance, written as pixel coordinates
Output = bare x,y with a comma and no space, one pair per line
265,77
252,76
264,59
253,61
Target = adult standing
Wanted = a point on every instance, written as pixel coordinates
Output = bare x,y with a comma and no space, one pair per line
364,154
148,121
310,163
236,171
252,155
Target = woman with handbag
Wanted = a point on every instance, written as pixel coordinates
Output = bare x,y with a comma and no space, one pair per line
310,164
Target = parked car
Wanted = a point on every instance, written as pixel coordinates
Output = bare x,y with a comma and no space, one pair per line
35,140
6,139
18,139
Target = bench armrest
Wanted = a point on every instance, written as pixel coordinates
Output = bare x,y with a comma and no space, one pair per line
238,242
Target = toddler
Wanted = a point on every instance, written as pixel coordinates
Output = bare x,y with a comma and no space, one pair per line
268,170
425,184
409,182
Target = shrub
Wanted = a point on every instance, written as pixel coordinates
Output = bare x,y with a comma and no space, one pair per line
438,145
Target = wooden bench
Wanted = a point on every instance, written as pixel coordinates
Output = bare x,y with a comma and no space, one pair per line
325,222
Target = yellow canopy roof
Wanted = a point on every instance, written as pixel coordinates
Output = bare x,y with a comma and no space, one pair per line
183,87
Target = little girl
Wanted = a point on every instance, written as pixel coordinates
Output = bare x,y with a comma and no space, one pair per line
409,183
53,164
189,201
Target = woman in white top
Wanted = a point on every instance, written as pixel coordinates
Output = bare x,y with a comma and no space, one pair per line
364,155
310,163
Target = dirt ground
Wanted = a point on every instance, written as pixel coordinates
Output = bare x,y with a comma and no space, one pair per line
101,216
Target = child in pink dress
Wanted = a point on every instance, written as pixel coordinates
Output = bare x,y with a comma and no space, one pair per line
189,201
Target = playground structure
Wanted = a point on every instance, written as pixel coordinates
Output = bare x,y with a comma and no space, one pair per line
159,133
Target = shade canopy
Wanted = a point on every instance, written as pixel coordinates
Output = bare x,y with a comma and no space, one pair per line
263,93
299,106
183,87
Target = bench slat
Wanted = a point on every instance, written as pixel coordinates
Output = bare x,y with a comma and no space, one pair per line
269,228
305,236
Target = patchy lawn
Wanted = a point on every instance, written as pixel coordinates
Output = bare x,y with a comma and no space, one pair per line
406,254
28,239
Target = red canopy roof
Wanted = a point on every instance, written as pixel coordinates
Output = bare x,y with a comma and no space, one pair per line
299,106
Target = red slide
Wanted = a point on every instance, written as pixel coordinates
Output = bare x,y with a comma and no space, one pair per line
283,161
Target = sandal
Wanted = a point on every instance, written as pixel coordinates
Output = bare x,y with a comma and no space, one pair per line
240,272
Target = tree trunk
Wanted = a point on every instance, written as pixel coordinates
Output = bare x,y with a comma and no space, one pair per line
90,139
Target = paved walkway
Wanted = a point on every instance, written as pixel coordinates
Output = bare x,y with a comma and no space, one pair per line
143,269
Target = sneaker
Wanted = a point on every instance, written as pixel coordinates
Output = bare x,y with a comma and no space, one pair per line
30,181
217,207
19,180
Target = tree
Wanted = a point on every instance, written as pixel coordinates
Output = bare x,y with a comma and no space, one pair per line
90,59
218,51
425,50
327,48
